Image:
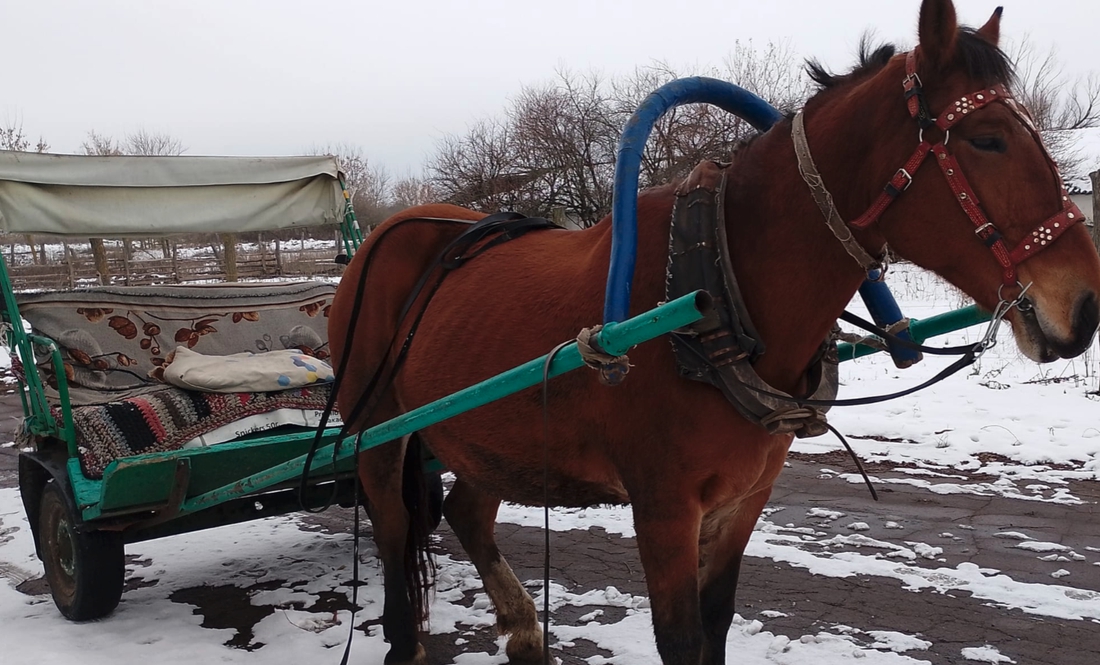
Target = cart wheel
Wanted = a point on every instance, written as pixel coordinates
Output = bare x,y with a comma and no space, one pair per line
85,570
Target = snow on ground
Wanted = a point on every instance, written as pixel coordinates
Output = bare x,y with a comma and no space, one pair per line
809,549
149,627
1038,421
1030,429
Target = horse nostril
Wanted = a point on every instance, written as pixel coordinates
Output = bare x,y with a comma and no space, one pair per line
1088,316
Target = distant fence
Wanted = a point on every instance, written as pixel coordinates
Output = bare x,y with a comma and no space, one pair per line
60,265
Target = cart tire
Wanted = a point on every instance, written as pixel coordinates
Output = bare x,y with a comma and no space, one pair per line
85,569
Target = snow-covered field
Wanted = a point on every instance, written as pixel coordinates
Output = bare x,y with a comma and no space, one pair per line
1028,430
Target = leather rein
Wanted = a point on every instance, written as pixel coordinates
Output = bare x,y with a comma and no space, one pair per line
1009,259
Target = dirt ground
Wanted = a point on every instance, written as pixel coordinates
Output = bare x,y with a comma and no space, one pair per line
963,525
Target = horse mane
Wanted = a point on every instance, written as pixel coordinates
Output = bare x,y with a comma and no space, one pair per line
980,59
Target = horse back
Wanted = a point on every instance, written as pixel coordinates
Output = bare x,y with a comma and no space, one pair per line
392,260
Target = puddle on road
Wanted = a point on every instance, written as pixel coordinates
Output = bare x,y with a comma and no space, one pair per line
226,606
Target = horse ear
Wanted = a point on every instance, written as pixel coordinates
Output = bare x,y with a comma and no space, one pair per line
938,29
991,31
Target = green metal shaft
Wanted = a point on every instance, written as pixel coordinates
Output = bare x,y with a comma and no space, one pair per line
923,329
615,338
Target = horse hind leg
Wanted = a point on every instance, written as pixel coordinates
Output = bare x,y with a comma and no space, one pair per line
381,474
472,516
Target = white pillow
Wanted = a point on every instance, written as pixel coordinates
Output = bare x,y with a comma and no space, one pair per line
243,372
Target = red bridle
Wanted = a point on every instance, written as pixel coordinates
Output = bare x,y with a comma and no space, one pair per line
1039,238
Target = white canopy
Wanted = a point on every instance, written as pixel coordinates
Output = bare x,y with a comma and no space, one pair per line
118,196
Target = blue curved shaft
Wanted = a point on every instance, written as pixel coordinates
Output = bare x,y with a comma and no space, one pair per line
885,312
624,212
624,209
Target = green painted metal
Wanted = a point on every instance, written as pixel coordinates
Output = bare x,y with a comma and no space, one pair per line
923,329
615,338
35,407
143,479
123,482
135,482
86,491
350,232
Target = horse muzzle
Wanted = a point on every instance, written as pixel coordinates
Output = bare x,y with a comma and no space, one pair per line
1043,338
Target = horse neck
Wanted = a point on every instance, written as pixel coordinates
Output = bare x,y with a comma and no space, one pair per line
794,274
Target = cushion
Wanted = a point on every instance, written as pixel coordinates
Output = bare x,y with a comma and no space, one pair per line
242,372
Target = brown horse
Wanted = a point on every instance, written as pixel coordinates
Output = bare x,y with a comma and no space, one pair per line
697,474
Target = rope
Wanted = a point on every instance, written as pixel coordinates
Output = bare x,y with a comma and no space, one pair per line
613,369
852,454
792,413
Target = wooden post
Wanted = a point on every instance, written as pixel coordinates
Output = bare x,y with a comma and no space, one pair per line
263,254
34,251
127,251
229,248
71,260
278,257
175,262
1095,177
99,256
557,215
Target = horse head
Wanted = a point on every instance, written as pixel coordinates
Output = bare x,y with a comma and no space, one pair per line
983,205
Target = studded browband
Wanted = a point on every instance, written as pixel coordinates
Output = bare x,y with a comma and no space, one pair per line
1044,234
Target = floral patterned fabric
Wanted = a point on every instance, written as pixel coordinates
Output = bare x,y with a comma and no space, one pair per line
111,338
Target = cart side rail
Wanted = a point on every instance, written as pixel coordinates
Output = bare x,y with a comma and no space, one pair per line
40,419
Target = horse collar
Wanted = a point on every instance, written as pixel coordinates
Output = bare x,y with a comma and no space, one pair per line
1040,237
721,348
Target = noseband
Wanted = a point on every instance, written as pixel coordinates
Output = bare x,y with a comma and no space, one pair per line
1039,238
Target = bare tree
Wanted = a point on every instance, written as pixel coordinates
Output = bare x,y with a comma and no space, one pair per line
368,185
1059,103
412,191
143,142
481,168
12,137
99,144
555,146
566,137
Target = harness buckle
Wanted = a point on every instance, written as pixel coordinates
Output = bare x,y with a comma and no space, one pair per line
892,189
912,81
994,236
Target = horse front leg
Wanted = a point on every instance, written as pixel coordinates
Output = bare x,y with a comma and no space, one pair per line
719,566
380,472
472,516
668,542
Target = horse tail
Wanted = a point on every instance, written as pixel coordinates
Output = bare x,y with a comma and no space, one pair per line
423,505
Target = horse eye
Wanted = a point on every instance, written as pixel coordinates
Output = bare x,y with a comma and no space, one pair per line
989,144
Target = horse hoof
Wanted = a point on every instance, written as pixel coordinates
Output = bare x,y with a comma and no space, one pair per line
524,647
420,657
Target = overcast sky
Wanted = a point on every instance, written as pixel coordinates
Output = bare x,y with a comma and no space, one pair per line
280,76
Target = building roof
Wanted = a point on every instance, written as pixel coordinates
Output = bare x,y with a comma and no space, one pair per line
1079,186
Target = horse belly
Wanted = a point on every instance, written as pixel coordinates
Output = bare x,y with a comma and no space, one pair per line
515,471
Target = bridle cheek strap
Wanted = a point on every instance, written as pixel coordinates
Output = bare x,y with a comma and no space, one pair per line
1039,238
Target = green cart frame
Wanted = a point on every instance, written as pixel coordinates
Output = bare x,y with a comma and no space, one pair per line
82,524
